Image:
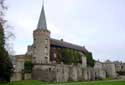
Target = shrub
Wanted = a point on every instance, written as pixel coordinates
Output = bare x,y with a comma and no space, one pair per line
28,66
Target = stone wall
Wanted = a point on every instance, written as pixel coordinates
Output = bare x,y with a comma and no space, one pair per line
44,72
99,70
16,76
41,47
110,70
119,66
27,76
64,73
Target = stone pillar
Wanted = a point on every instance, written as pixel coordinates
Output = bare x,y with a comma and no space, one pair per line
85,75
73,73
84,61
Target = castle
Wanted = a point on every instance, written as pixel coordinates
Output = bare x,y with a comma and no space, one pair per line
46,64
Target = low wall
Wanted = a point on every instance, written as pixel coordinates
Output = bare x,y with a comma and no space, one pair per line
64,73
17,76
27,76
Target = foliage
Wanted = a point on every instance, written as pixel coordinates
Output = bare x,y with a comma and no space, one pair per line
5,63
69,56
90,60
28,66
121,72
2,10
9,36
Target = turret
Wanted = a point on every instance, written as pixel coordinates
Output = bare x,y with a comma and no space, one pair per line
41,42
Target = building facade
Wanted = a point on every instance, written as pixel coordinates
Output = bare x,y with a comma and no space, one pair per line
44,54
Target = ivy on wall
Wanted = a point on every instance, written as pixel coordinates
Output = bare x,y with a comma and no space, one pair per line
90,60
69,56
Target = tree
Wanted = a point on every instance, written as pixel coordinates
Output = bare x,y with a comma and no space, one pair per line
5,63
2,9
28,66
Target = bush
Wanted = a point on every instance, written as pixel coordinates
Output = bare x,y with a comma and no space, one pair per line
121,72
28,67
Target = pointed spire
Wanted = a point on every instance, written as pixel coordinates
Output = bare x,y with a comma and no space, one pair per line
42,20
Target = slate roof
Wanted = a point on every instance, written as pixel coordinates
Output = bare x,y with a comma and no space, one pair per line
60,43
42,20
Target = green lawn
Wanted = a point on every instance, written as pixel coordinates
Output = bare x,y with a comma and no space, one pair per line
35,82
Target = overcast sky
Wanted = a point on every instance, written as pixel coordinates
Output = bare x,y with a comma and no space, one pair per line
99,25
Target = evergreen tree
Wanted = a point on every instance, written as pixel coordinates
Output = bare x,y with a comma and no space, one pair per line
5,63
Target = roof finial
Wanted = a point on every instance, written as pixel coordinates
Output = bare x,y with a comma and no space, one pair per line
43,3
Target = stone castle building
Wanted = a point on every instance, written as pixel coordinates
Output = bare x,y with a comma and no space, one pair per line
44,55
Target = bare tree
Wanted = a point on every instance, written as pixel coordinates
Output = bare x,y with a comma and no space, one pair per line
9,36
2,10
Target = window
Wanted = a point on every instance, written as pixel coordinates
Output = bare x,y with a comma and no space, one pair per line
46,38
49,69
46,41
46,59
34,39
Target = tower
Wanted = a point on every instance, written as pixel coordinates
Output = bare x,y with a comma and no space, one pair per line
41,41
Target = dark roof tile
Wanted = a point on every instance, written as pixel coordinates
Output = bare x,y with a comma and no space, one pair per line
64,44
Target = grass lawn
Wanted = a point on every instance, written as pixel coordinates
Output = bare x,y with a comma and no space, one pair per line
35,82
